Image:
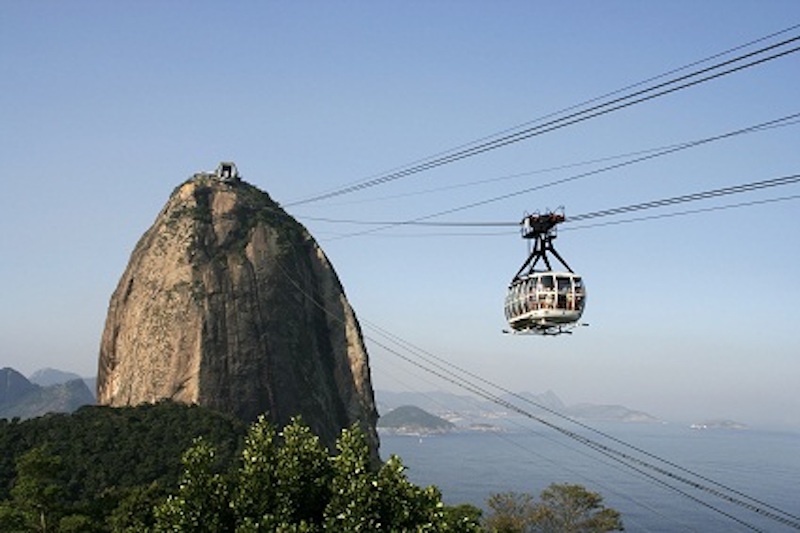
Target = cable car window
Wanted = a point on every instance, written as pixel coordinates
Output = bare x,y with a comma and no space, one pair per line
545,300
526,289
564,287
578,284
547,282
564,284
533,304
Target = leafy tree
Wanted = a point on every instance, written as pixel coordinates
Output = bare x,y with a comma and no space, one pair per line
254,497
573,509
283,480
511,512
287,482
364,500
464,518
135,511
78,523
37,492
276,488
303,477
105,449
12,520
406,506
106,469
202,501
563,508
354,502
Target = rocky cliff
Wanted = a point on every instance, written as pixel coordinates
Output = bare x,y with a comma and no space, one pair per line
229,303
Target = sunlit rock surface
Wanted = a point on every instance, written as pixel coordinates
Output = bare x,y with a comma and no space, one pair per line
229,303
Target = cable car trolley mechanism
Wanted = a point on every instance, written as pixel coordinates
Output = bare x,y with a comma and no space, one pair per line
544,301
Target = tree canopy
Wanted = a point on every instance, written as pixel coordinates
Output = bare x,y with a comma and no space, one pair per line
174,468
562,508
106,456
295,485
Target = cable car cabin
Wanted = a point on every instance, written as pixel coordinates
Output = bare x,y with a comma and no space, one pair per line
545,302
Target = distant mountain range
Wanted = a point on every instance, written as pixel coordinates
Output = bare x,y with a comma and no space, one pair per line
468,411
50,376
47,391
51,390
47,377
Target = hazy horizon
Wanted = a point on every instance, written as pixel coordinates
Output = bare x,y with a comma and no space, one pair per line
677,417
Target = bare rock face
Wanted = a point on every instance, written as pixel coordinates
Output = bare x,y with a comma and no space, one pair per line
229,303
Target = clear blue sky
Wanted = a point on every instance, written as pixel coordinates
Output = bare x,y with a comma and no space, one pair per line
106,106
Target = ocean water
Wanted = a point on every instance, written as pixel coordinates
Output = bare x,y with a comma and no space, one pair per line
468,467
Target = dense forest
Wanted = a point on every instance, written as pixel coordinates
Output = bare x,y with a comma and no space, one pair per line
170,467
105,454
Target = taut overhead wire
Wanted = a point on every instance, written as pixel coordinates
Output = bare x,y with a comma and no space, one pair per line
639,96
382,225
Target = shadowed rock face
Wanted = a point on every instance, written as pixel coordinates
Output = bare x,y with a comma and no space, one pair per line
228,302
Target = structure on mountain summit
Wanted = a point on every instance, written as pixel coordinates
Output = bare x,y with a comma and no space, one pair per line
226,171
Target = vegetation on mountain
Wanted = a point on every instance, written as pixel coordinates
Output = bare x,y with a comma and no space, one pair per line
109,456
37,492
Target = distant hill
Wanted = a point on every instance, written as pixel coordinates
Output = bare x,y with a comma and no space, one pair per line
13,386
718,424
466,410
431,401
617,413
51,376
46,377
412,419
92,384
21,398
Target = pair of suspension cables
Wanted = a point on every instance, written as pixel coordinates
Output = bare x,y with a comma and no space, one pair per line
782,46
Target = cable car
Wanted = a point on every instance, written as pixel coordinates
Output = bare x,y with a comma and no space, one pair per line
544,302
